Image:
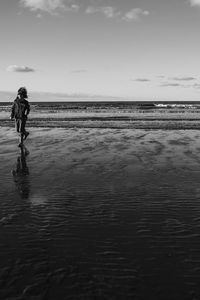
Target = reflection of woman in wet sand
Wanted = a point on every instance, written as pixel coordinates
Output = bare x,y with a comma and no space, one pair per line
21,174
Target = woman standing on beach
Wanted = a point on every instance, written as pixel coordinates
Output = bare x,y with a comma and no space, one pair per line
20,111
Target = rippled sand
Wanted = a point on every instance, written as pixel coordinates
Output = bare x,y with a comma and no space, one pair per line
100,214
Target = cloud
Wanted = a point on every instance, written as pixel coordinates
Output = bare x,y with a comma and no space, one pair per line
135,14
108,11
196,86
74,8
54,6
112,12
195,2
183,78
169,84
22,69
50,6
141,79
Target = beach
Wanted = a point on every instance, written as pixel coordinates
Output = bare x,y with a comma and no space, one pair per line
99,150
100,213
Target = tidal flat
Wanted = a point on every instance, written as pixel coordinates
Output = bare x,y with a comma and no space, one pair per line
100,213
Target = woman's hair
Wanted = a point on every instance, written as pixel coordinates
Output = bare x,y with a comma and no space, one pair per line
22,92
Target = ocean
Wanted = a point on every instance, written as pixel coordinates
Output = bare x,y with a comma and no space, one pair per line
115,114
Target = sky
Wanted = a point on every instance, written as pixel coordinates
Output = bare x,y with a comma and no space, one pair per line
137,49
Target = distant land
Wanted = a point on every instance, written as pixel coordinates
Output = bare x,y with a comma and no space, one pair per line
6,96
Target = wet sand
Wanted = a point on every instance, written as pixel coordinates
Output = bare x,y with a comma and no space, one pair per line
100,214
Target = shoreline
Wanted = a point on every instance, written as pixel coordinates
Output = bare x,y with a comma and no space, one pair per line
167,124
